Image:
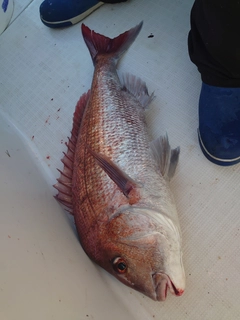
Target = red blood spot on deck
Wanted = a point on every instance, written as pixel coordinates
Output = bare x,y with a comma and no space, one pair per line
46,121
48,157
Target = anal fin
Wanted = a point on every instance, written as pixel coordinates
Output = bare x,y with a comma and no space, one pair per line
137,87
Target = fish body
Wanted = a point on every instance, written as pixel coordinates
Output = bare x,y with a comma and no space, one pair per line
116,183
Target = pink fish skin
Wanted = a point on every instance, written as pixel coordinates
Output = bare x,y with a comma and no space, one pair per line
115,181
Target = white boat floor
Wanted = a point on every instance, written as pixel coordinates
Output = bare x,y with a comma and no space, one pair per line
44,271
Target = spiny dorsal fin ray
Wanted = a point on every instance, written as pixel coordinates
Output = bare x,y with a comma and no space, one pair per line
64,183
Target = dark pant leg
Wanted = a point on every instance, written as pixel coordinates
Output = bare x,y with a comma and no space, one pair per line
214,41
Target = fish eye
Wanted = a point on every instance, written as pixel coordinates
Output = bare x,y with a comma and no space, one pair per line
119,265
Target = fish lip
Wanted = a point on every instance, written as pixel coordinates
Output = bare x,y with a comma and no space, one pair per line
162,283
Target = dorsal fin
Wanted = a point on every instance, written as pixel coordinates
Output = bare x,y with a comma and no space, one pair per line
64,183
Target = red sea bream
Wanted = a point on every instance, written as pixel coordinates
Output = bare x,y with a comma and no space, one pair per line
115,181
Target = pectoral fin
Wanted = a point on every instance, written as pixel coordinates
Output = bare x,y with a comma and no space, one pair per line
128,186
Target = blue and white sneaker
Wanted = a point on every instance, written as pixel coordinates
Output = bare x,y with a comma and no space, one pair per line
64,13
6,11
219,124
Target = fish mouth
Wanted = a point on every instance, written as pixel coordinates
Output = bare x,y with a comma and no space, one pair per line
162,283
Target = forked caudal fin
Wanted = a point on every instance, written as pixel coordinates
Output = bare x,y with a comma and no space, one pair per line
99,44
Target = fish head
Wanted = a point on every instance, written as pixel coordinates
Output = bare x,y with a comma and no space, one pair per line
144,254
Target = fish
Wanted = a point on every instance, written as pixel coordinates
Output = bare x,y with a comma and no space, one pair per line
115,180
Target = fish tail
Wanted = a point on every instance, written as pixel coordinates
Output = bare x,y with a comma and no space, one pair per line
101,45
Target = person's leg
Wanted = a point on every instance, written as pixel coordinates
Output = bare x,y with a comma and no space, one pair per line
214,46
64,13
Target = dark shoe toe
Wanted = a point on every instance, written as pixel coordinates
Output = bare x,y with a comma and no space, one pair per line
219,124
62,13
